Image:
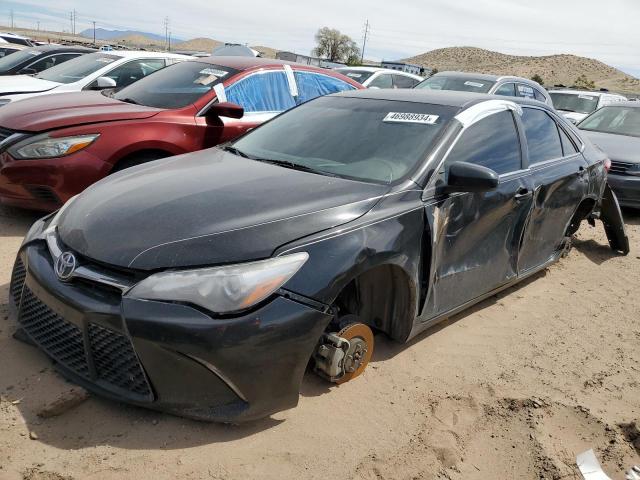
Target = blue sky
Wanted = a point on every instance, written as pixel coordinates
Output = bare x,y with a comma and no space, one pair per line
399,29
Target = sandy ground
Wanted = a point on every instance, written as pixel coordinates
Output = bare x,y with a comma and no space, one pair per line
514,388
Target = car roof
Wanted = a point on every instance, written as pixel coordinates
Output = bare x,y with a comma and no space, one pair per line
451,98
63,48
246,63
142,54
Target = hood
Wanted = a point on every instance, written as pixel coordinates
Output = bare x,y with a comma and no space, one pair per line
622,148
15,84
48,112
573,117
206,208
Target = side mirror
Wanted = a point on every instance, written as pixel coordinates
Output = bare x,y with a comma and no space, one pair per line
469,177
104,82
225,109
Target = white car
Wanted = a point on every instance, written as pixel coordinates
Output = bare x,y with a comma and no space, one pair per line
94,71
17,39
374,77
576,105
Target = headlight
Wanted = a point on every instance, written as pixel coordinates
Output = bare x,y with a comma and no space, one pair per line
43,146
222,289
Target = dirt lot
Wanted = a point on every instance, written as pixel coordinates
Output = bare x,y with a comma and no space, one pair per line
514,388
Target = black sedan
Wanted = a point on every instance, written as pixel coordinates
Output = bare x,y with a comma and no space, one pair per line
204,284
36,59
616,130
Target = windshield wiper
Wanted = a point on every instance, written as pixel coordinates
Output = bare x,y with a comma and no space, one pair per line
235,151
568,110
129,100
295,166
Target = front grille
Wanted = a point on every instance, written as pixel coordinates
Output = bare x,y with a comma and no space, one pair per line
59,338
5,133
17,281
620,167
115,361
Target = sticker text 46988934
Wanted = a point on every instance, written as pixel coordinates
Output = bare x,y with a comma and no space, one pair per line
399,117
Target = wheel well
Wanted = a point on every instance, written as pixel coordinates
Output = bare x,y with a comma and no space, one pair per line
381,297
584,209
139,156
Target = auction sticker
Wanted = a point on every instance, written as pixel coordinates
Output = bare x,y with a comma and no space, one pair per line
474,84
423,118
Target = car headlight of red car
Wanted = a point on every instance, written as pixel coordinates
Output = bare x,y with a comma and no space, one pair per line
44,146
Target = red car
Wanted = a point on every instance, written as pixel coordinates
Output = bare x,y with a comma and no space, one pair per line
53,147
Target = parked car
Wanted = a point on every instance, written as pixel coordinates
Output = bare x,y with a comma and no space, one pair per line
31,61
481,83
616,130
575,105
373,77
55,147
7,48
94,71
203,284
17,39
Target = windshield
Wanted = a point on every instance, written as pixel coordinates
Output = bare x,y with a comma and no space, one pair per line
379,141
460,84
355,75
617,120
78,68
574,102
16,58
176,86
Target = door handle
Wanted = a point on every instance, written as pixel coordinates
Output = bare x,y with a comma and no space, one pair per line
522,193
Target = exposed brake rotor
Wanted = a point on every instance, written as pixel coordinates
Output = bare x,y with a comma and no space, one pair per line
360,350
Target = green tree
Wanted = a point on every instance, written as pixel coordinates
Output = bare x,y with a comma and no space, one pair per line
537,78
583,82
336,47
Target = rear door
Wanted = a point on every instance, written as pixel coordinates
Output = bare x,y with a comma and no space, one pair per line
560,182
475,237
311,85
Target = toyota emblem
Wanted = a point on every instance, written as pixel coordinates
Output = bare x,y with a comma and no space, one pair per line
65,265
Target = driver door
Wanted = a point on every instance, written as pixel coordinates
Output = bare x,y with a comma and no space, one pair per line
475,237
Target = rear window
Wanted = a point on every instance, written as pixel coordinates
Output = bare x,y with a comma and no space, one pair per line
379,141
355,75
175,86
461,84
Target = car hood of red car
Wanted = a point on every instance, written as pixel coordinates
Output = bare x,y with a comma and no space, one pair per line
49,112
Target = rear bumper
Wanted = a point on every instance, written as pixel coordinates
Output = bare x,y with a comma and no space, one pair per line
626,188
166,356
47,184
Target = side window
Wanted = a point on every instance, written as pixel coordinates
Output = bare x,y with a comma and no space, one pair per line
539,96
402,81
312,85
492,142
132,71
568,148
525,91
543,139
262,92
507,90
52,61
382,81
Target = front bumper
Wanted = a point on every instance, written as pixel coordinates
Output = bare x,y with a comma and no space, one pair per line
166,356
48,183
626,188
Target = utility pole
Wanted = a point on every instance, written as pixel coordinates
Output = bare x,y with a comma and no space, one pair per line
166,32
73,16
38,22
11,18
367,30
94,32
169,49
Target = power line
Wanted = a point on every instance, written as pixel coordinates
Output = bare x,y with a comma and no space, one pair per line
367,29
